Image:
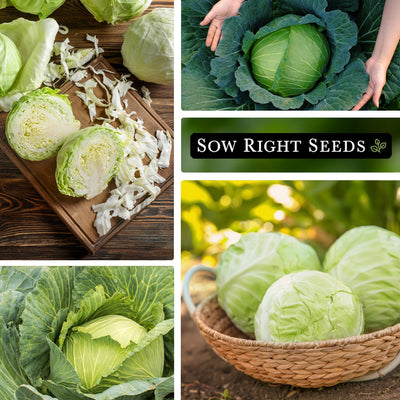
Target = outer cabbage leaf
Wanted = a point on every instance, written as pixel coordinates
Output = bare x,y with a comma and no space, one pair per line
10,65
306,306
42,8
27,392
34,41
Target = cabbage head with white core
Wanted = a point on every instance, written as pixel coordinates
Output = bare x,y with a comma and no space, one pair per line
10,63
39,123
88,160
148,47
291,60
117,10
42,8
306,306
249,267
367,259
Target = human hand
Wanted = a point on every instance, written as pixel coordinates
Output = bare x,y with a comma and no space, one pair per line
377,79
220,11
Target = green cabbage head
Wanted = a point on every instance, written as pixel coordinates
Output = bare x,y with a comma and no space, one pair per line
148,47
248,268
88,160
306,306
39,123
42,8
291,60
116,10
367,259
10,63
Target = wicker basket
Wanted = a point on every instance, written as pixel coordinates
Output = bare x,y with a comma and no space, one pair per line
308,364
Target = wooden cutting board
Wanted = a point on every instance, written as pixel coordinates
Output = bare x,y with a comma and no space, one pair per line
77,213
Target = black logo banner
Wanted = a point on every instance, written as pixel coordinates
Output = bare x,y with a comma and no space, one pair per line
291,145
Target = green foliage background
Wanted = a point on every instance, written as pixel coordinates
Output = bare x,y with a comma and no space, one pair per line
216,213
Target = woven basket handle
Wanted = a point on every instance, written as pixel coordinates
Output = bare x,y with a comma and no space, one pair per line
186,280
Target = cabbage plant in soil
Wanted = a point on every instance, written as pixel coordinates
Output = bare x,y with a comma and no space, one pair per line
225,80
86,333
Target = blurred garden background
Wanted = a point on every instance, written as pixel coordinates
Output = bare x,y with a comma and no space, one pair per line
216,213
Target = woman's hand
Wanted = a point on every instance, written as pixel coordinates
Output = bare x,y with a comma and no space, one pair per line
377,79
220,11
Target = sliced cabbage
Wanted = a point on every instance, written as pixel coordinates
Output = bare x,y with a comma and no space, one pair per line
116,10
88,160
42,8
39,123
10,63
34,41
148,47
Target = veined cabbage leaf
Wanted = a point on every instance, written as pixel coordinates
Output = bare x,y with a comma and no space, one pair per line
42,8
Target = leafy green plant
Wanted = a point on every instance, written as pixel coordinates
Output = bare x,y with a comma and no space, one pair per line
306,306
39,123
86,333
117,10
10,65
148,47
226,80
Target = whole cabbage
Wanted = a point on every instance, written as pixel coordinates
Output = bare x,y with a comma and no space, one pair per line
10,63
306,306
249,267
367,259
148,47
116,10
42,8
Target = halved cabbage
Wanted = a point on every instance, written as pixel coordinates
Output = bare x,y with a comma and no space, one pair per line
88,160
39,123
10,63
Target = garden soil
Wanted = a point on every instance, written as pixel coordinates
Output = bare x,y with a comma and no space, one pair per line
205,376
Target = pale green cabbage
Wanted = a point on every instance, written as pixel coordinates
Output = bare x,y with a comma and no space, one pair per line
88,160
34,40
10,63
306,306
367,259
116,10
42,8
39,123
291,60
148,47
248,268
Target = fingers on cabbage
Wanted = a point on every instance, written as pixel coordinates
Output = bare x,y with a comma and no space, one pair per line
10,63
88,160
148,47
39,123
116,11
306,306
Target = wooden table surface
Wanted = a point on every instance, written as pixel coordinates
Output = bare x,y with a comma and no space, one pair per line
29,229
